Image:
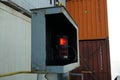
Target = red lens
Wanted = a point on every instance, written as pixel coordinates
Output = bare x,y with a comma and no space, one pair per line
63,41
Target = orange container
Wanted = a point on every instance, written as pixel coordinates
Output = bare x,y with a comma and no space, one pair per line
91,18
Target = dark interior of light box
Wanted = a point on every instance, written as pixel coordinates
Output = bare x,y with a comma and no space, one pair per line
59,25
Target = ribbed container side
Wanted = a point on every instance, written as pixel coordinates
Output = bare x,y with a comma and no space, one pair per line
91,17
94,60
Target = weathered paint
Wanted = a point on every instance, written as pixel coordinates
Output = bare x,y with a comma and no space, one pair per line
91,17
95,58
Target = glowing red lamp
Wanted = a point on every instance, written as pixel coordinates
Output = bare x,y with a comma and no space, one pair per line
63,41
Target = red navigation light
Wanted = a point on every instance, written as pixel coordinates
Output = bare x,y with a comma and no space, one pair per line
63,41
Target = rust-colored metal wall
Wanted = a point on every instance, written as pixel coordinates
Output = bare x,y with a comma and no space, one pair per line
94,60
91,17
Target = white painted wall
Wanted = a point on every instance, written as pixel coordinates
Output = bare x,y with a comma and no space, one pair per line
15,44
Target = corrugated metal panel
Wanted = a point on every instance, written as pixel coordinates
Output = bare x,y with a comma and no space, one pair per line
91,17
95,58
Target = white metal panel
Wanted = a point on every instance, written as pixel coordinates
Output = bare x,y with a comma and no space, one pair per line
45,3
31,4
15,41
21,77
